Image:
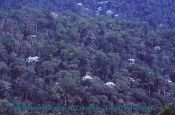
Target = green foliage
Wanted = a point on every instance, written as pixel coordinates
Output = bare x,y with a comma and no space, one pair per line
3,68
6,108
73,46
3,14
49,49
70,83
144,73
167,111
9,44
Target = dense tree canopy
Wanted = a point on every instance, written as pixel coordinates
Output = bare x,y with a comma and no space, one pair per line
156,12
71,46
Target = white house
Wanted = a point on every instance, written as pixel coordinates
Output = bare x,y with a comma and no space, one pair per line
106,2
103,2
99,8
87,77
109,12
54,15
31,36
110,84
157,48
132,79
131,60
116,15
169,81
56,83
32,59
79,4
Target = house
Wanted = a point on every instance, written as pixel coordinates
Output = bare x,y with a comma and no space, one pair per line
116,15
132,79
157,48
103,2
31,36
32,59
79,4
169,81
131,60
54,15
110,84
87,77
99,9
57,83
109,12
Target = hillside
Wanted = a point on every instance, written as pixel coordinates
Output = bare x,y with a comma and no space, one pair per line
44,57
155,12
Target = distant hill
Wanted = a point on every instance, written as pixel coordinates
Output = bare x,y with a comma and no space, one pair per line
156,12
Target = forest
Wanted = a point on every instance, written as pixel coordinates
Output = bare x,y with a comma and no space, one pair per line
153,11
74,57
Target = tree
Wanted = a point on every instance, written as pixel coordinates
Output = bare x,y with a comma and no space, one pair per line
3,53
9,44
3,68
17,68
167,111
172,76
6,108
70,83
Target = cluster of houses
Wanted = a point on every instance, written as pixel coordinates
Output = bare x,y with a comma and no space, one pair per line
108,84
99,9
